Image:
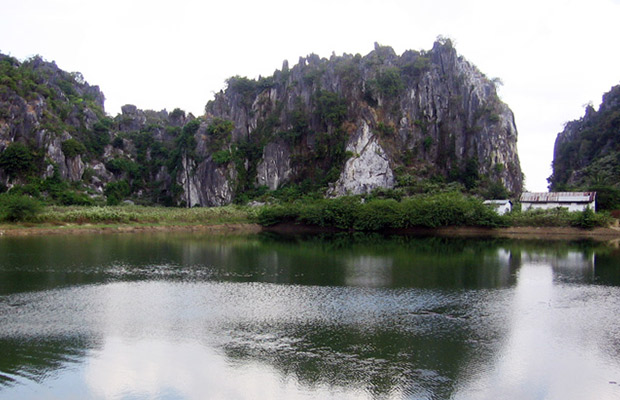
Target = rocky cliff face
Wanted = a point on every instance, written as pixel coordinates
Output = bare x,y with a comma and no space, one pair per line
587,152
368,168
43,106
344,125
358,123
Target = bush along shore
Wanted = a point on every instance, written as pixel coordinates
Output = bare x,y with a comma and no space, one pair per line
428,211
350,213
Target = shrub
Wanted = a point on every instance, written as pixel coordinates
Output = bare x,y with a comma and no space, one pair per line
222,157
31,189
118,143
496,190
220,128
416,68
116,191
244,86
427,142
385,129
120,165
607,197
71,198
447,209
330,107
72,148
389,82
177,113
470,173
341,212
587,219
379,214
17,160
554,217
272,215
219,132
99,138
18,207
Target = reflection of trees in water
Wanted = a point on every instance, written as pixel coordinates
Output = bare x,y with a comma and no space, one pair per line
607,270
561,338
399,352
428,304
37,358
379,361
40,263
374,260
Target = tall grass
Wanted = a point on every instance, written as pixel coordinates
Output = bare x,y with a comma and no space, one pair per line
144,215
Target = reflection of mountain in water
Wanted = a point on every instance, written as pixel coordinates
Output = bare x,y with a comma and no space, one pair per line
28,264
570,265
407,341
379,361
395,316
37,359
561,338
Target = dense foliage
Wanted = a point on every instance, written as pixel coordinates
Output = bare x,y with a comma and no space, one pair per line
560,217
18,160
587,153
433,211
18,207
426,211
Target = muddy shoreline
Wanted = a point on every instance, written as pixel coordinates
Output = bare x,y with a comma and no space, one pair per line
527,232
545,233
87,229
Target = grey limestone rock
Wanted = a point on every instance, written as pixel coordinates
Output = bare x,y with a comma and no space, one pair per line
274,169
368,168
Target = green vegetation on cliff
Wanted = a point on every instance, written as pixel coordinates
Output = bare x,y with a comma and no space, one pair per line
587,153
430,117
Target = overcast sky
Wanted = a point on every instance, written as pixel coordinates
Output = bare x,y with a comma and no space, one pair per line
553,56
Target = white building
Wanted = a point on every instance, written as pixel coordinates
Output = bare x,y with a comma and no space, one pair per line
573,201
500,206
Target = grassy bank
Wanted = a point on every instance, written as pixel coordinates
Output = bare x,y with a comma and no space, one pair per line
345,213
134,215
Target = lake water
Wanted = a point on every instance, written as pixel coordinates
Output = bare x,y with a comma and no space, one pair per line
186,316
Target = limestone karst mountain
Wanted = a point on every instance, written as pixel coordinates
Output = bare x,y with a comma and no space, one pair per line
587,151
349,124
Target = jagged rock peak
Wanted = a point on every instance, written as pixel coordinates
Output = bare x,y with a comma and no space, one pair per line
431,112
346,124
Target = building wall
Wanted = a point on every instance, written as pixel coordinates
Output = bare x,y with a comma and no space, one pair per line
550,206
503,209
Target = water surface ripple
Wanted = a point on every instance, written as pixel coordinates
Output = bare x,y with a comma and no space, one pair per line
187,316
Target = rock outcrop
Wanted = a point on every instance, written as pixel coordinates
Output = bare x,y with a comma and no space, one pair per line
587,152
349,124
368,168
274,169
356,123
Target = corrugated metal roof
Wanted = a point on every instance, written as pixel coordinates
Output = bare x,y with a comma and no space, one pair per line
558,197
